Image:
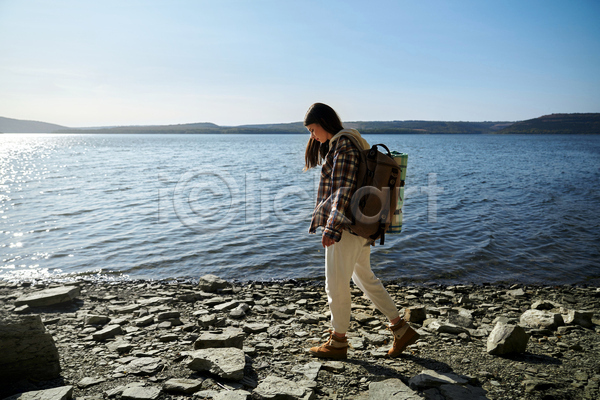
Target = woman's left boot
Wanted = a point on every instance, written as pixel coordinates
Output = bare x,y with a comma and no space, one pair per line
404,336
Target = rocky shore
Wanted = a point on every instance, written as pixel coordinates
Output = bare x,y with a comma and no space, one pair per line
217,340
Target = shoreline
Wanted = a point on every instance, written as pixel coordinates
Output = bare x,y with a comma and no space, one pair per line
561,361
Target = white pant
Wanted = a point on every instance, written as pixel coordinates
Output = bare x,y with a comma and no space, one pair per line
350,258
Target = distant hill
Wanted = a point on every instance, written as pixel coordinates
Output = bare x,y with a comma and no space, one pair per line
430,127
366,127
9,125
557,123
199,127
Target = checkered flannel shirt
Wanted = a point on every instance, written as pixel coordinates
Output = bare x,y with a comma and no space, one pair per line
336,187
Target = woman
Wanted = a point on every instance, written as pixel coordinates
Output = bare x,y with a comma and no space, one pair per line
347,256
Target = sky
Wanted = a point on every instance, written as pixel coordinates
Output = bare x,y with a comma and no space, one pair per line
84,63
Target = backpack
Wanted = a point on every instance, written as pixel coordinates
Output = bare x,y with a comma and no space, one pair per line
376,196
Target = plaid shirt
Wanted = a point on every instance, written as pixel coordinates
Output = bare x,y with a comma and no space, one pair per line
336,187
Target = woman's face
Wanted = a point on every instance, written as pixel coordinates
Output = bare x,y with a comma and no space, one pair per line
318,133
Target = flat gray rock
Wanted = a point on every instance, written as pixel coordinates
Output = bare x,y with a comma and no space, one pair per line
539,319
141,393
309,370
89,381
229,337
391,389
187,386
228,362
429,378
108,332
49,297
59,393
232,395
276,388
438,326
143,366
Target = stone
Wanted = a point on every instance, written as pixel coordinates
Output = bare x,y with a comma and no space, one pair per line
96,319
416,314
141,393
144,321
581,318
49,297
457,392
206,321
276,388
117,391
89,381
187,386
229,305
429,378
168,315
309,370
539,319
438,326
128,309
363,318
463,318
28,351
507,339
255,327
154,301
334,366
211,283
59,393
120,346
232,395
229,337
516,293
24,309
143,366
391,389
108,332
228,362
309,318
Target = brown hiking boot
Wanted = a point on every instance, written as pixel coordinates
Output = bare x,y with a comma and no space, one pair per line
335,347
404,336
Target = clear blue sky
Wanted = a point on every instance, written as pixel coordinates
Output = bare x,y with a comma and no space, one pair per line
106,62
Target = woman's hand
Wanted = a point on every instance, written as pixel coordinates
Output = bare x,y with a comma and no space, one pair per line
326,241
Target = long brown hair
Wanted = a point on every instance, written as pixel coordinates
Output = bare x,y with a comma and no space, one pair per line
328,119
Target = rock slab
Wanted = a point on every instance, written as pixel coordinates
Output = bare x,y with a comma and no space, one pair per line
391,389
28,351
59,393
539,319
227,362
230,337
141,393
49,297
276,388
187,386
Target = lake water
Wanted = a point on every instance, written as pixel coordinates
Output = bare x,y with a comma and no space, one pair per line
479,208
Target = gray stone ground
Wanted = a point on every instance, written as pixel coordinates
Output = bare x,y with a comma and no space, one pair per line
177,340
